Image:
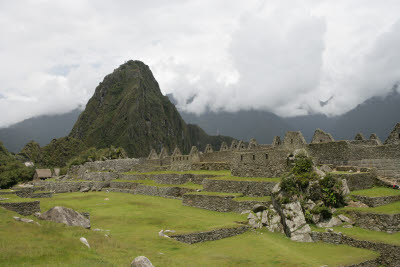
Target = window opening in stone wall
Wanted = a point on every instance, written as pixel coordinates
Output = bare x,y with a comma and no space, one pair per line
291,141
399,135
266,156
241,157
254,157
320,140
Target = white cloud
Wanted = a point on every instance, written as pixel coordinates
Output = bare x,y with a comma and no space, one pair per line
282,56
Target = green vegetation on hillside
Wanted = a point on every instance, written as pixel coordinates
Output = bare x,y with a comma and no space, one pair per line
128,110
392,208
134,222
12,171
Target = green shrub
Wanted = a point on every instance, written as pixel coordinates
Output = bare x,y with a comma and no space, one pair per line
323,210
302,165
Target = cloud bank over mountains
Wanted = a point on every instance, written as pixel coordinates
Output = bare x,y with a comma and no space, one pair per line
286,57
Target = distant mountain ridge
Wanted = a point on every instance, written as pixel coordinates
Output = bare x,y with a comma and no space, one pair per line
376,115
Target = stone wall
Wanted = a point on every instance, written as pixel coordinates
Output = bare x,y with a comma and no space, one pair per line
262,163
7,193
247,188
390,255
321,137
217,156
209,202
220,203
99,176
213,235
65,187
294,140
168,178
23,208
211,166
149,190
378,222
359,181
385,167
118,165
377,201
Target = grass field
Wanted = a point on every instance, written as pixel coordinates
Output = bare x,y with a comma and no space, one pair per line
377,192
392,208
153,183
251,179
223,172
134,222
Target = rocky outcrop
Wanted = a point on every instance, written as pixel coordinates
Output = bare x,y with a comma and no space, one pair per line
294,222
67,216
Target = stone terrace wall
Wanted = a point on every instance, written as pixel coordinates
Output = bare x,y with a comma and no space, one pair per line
118,165
23,208
359,181
385,167
217,156
220,203
168,178
215,203
262,163
390,255
211,166
213,235
247,188
378,222
377,201
99,176
149,190
65,187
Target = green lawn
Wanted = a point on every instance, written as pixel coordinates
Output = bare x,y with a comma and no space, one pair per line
134,222
364,234
153,183
392,208
207,193
377,192
267,198
251,179
223,172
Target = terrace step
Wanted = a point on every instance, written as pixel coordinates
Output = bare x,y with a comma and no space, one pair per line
234,185
221,202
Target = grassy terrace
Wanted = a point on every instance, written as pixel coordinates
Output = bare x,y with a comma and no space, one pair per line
251,179
267,198
206,193
392,208
364,234
134,222
377,192
224,172
343,172
153,183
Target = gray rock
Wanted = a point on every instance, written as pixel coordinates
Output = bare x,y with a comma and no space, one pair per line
345,218
26,220
276,189
334,221
141,261
344,189
326,168
309,204
319,172
84,241
85,189
295,223
67,216
316,218
329,230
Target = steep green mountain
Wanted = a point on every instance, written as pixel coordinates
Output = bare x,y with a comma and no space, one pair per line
128,110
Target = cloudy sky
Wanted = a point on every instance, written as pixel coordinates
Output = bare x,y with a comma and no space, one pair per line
275,55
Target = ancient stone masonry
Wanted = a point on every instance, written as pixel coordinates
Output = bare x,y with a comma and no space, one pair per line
153,154
375,137
277,141
394,136
377,222
241,146
253,144
224,147
321,137
359,181
23,208
359,137
389,254
208,149
213,235
234,145
177,152
164,153
247,188
294,140
377,201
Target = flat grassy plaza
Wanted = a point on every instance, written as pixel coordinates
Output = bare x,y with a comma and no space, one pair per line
134,222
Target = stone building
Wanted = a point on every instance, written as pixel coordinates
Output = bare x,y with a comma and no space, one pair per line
321,137
42,174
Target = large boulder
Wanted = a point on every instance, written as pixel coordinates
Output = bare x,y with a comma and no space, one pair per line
332,222
67,216
141,261
295,223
